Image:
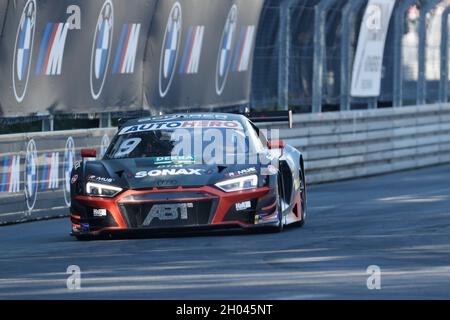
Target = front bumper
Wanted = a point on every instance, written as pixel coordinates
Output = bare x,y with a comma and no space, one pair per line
209,209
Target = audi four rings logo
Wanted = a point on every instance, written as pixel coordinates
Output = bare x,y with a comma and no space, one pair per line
169,49
101,49
225,50
23,50
31,175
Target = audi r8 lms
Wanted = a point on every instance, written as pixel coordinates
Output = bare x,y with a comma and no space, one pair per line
188,172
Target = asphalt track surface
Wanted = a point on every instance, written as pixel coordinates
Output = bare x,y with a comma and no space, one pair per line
399,222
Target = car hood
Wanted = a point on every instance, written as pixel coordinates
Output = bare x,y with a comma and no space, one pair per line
144,173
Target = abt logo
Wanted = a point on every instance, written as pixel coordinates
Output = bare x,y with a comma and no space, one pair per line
168,212
53,43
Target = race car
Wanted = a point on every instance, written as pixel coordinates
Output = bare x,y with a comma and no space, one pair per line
189,172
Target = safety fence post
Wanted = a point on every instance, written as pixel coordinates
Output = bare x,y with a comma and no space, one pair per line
398,51
349,14
105,120
48,123
283,54
320,13
443,81
421,83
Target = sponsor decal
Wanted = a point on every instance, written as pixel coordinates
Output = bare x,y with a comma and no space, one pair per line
10,177
101,49
168,212
50,172
99,212
192,50
169,172
126,52
169,49
74,179
180,125
52,47
243,205
31,175
173,159
100,179
368,64
243,49
165,166
225,50
198,116
23,50
69,158
240,172
167,183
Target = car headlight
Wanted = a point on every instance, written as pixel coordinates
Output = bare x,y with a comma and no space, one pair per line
101,190
238,184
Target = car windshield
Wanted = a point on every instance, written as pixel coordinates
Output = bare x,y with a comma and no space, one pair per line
212,142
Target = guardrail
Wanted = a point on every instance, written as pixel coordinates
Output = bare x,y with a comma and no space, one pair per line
352,144
35,167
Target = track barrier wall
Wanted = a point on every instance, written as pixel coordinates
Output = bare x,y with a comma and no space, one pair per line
35,167
100,56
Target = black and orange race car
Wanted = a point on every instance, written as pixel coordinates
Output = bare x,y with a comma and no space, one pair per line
187,172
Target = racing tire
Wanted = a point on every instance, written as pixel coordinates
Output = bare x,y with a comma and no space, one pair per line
280,226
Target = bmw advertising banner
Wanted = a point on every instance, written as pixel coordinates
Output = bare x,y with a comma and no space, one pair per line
200,53
73,56
35,172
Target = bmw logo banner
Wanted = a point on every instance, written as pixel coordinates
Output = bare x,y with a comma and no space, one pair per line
201,60
61,56
36,172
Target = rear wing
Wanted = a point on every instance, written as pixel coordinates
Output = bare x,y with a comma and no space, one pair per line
271,116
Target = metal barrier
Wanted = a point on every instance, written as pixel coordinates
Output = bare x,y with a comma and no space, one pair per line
306,51
352,144
35,168
35,171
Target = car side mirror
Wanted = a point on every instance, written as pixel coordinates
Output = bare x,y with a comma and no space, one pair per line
275,144
88,153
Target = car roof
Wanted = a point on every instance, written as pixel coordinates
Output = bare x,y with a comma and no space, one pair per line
196,116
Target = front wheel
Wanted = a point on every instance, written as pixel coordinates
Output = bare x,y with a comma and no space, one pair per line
303,197
280,226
